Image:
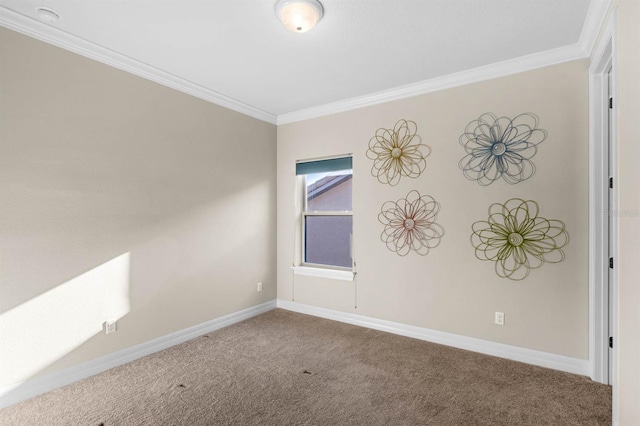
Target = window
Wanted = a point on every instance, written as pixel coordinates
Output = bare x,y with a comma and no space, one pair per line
326,217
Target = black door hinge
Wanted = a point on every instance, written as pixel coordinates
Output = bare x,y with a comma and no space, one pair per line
611,342
611,182
610,103
611,262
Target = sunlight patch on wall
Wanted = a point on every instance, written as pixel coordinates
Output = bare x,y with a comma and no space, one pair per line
42,330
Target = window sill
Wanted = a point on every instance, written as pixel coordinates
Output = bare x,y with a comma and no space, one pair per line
323,273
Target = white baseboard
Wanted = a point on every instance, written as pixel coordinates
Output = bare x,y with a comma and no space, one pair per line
515,353
30,388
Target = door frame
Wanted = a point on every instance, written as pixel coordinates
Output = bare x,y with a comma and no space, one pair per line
603,58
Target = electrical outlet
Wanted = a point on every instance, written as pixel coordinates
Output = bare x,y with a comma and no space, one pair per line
260,286
110,327
499,318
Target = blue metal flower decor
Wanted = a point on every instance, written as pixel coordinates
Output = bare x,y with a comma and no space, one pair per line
500,148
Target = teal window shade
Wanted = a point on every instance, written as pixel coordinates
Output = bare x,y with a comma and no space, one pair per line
324,166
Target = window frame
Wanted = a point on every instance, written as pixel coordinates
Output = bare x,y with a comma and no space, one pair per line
301,267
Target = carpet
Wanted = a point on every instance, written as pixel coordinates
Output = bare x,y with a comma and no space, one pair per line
285,368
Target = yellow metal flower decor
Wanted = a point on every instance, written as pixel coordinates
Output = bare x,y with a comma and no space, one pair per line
500,148
397,152
409,224
517,239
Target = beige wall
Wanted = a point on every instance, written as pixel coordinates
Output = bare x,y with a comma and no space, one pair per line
628,95
449,289
97,164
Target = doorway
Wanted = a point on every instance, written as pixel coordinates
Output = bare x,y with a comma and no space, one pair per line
603,211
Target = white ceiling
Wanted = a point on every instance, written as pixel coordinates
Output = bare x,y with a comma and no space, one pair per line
238,48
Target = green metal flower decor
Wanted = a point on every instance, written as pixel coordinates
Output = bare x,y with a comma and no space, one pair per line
397,152
500,148
517,239
409,224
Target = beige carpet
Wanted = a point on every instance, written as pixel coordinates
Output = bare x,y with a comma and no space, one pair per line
284,368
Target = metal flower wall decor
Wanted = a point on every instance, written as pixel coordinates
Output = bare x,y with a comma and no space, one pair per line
500,148
517,239
409,224
397,152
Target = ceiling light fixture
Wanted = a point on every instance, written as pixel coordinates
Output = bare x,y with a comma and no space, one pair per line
47,15
299,16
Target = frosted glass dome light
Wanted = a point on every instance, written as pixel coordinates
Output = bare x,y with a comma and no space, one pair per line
299,16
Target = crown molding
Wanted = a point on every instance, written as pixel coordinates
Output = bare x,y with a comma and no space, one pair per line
598,9
487,72
593,24
36,29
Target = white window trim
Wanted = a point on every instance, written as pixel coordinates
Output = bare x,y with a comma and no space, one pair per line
310,269
334,274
